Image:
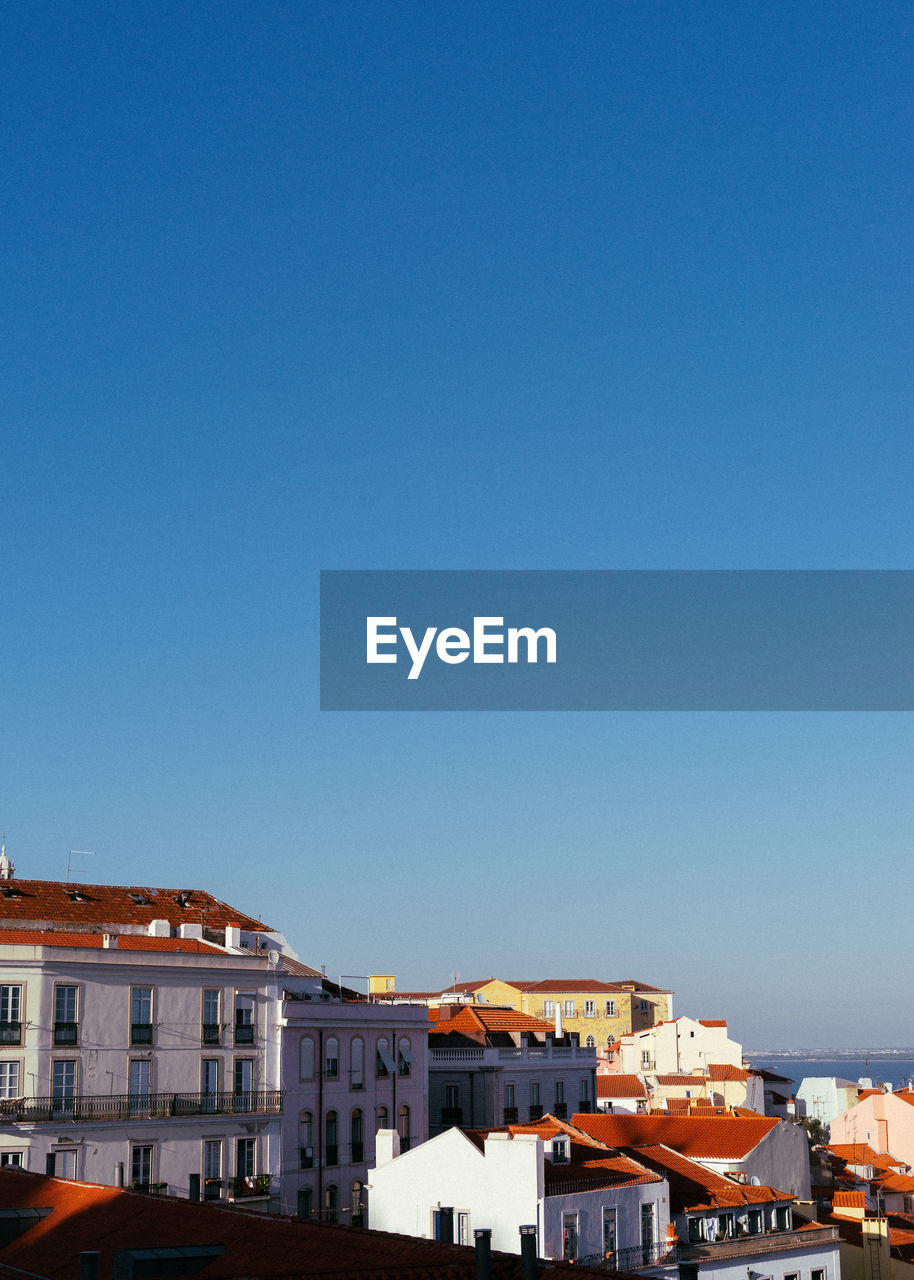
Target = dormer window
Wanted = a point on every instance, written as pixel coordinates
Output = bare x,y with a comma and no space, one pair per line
559,1150
75,896
141,900
10,892
183,898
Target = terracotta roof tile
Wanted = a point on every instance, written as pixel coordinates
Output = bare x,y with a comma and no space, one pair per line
672,1080
848,1200
93,941
56,902
715,1137
620,1086
712,1022
694,1187
726,1071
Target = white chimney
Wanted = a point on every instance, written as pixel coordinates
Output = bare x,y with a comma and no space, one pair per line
386,1146
233,936
190,930
109,941
159,929
558,1019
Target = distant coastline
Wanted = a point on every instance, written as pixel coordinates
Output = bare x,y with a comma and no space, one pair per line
827,1055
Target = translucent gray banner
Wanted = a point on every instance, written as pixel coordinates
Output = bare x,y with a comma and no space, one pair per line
617,640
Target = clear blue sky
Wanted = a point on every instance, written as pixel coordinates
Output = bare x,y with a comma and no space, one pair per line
457,285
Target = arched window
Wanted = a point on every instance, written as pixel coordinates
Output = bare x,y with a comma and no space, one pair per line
610,1041
355,1136
403,1127
380,1119
590,1043
306,1140
404,1057
332,1058
306,1058
330,1204
385,1063
356,1208
331,1138
357,1063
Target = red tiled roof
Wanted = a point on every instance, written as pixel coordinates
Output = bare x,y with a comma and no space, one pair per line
89,1217
861,1153
693,1187
848,1200
680,1080
898,1182
725,1071
93,941
712,1022
105,904
714,1137
620,1086
487,1019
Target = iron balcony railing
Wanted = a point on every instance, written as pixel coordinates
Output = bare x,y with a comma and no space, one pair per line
148,1105
66,1033
255,1184
643,1255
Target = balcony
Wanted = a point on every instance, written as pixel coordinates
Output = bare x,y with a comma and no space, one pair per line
306,1157
123,1106
254,1186
759,1244
66,1033
244,1033
141,1033
510,1115
212,1189
10,1033
358,1152
211,1033
150,1188
536,1111
452,1115
560,1110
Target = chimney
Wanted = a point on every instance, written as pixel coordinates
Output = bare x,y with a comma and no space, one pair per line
528,1268
386,1146
159,929
109,941
482,1241
558,1019
190,930
233,936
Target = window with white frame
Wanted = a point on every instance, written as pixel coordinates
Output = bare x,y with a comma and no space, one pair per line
9,1079
610,1009
65,1017
645,1057
781,1218
10,1159
212,1021
245,1157
609,1230
590,1008
139,1083
590,1043
63,1083
244,1017
141,1015
569,1008
141,1165
65,1162
548,1008
10,1014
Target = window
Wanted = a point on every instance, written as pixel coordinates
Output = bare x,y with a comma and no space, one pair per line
9,1079
330,1204
645,1006
583,1095
569,1236
534,1093
332,1058
569,1008
138,1084
331,1138
548,1008
381,1118
385,1063
451,1112
65,1025
610,1009
560,1108
510,1116
357,1063
65,1162
10,1159
10,1015
209,1083
141,1166
244,1017
724,1226
610,1041
590,1008
212,1169
696,1230
817,1273
245,1153
609,1231
405,1057
141,1015
63,1086
305,1202
755,1222
306,1140
355,1136
355,1204
590,1043
782,1218
211,1018
645,1058
792,1275
403,1128
559,1150
509,1095
306,1058
244,1084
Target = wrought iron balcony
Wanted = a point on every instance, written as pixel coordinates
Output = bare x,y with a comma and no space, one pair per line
255,1184
66,1033
10,1033
149,1105
211,1032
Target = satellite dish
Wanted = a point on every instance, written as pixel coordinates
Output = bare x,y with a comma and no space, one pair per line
273,957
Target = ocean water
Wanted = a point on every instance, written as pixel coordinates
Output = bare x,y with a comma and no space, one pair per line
896,1071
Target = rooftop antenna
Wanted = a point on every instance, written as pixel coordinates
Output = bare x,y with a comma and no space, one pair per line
79,853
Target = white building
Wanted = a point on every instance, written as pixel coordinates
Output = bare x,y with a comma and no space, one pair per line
679,1047
585,1200
824,1097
